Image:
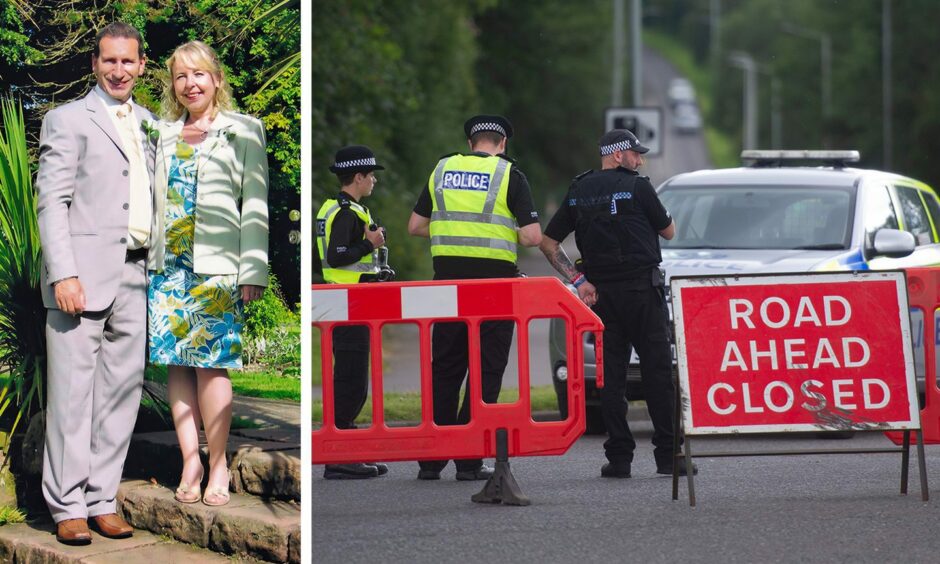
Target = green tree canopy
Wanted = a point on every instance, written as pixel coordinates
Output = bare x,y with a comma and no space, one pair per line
402,77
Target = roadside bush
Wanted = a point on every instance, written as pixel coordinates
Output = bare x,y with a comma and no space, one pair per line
272,334
263,316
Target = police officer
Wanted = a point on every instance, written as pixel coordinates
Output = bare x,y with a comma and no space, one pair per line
477,207
616,217
348,243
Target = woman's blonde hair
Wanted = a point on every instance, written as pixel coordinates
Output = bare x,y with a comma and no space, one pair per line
197,55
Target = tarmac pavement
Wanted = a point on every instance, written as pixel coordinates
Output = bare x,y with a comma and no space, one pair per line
823,508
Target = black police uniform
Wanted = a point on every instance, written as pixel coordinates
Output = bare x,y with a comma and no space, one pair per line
347,245
616,217
449,342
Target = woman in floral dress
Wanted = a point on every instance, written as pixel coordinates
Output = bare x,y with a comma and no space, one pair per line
211,244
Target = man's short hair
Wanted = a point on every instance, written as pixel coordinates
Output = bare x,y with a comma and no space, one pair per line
119,29
347,178
491,136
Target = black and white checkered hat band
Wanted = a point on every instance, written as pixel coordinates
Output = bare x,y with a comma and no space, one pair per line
618,146
487,126
355,163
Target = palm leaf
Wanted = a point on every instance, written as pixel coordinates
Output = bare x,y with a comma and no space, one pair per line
214,301
22,314
179,237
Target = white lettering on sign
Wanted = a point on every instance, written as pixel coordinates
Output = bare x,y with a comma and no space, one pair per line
768,395
804,389
867,383
741,309
791,354
784,313
854,354
723,397
714,405
775,312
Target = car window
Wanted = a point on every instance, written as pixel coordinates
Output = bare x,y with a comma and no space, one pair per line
933,207
914,214
879,212
766,217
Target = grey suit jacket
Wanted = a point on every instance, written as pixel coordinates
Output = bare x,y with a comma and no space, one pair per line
83,191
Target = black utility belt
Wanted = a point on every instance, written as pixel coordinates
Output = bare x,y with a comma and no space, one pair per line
655,278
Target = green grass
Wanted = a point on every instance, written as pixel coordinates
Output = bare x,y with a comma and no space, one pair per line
407,406
256,384
315,361
10,514
241,422
722,148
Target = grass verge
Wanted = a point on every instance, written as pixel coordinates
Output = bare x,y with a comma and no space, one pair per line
256,384
315,361
407,406
722,148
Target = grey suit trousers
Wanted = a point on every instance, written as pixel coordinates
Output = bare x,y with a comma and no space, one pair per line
95,375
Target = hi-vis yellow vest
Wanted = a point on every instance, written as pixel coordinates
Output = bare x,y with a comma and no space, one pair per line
351,273
469,214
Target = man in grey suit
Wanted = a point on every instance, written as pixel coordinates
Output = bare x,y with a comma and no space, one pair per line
94,206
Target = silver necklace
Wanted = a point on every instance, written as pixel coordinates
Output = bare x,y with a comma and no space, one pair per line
203,133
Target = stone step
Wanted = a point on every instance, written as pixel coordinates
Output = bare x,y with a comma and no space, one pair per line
264,529
262,462
31,542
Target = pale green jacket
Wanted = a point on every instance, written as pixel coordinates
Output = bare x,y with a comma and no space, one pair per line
231,233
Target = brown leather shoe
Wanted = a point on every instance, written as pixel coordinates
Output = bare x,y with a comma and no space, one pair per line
73,531
112,526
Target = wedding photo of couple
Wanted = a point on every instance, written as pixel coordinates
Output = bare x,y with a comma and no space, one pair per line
149,280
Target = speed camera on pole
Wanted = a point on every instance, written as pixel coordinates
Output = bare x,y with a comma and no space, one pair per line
645,123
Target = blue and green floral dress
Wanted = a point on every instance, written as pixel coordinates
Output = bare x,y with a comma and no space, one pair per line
194,320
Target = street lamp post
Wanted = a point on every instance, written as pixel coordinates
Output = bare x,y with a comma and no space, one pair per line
886,100
636,30
825,61
745,62
616,94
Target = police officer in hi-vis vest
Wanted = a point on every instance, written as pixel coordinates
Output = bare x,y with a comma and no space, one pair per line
476,209
617,220
349,244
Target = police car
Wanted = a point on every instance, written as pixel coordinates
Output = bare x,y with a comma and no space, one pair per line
787,211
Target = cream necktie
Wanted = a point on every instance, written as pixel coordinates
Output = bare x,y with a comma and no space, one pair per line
139,204
124,114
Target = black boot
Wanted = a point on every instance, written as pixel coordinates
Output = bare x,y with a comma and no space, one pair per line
354,471
616,470
666,468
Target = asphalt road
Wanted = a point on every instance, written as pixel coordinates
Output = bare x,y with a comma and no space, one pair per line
834,508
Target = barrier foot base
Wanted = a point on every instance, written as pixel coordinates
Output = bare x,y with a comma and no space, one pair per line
501,487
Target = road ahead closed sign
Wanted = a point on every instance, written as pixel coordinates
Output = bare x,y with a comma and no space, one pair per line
794,353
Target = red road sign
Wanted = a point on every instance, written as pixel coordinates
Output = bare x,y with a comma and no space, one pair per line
795,352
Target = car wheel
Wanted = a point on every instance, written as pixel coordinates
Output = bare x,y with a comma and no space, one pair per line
595,421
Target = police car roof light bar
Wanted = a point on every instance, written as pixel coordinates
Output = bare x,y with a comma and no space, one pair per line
775,158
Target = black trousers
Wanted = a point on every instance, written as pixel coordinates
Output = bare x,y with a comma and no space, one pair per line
350,373
634,313
449,363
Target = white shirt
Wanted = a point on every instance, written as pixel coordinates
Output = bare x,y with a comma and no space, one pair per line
140,204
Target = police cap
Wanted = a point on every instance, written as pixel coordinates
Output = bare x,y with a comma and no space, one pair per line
354,158
620,140
496,124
